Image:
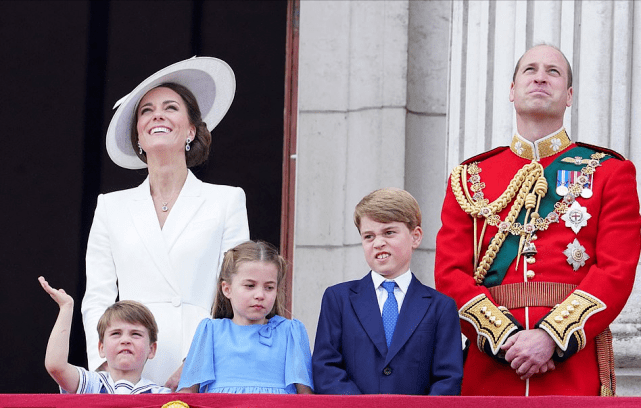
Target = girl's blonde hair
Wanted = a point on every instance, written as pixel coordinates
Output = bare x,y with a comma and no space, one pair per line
250,251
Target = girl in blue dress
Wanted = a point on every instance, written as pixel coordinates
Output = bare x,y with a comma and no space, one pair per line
248,346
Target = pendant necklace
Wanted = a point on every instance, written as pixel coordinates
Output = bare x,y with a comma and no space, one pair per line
165,204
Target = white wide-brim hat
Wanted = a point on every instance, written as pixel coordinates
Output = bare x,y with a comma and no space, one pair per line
211,81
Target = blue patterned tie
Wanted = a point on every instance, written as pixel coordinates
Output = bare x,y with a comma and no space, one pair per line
390,311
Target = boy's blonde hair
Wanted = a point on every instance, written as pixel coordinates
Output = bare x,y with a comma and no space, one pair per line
128,311
250,251
389,205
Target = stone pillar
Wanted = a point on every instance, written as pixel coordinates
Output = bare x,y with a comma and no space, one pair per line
397,93
426,129
351,135
601,41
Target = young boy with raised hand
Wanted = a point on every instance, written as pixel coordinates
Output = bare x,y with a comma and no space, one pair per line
387,333
127,338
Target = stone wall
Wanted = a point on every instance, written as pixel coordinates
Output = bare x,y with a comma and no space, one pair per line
397,93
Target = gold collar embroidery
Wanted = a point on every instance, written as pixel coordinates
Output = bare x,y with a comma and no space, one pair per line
546,147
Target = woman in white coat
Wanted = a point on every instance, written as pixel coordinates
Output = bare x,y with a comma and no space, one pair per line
162,242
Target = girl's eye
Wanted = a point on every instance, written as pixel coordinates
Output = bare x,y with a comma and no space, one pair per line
172,107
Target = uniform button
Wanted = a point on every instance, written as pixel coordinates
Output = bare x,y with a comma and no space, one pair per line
175,301
387,371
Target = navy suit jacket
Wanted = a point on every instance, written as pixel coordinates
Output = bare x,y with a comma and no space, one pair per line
351,354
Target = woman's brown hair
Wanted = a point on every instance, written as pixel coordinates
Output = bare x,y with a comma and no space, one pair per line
201,144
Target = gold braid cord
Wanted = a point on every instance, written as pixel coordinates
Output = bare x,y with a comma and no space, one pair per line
479,207
490,322
605,356
568,318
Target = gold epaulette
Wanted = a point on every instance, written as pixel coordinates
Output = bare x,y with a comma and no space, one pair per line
568,319
489,320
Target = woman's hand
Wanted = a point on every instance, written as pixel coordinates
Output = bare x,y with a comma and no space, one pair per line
172,382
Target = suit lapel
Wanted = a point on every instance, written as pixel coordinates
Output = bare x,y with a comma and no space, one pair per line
187,204
365,304
415,305
143,214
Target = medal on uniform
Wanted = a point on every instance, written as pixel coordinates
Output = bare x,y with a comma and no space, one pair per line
565,179
562,182
576,217
585,180
576,254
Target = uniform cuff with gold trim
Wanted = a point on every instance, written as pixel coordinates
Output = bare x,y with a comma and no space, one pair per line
493,324
565,323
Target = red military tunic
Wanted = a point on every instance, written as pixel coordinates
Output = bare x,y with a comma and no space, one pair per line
592,280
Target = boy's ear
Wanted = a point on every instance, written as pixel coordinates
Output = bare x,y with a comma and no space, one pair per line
152,350
101,349
417,236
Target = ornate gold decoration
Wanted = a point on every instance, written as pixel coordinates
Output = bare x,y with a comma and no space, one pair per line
545,147
490,322
175,404
527,188
568,318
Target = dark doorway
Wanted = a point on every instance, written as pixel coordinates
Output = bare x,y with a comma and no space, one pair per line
65,63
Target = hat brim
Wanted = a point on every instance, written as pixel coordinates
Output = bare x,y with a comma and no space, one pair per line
211,81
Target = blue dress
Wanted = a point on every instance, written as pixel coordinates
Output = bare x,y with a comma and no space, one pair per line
256,359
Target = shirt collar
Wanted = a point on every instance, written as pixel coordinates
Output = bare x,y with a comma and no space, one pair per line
402,281
124,386
544,147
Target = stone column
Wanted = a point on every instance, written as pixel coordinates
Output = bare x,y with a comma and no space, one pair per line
601,41
397,93
351,135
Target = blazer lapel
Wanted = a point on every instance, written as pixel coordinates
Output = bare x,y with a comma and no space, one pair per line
187,204
415,305
143,214
365,304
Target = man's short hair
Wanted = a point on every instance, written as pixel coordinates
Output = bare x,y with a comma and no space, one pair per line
518,63
389,205
128,311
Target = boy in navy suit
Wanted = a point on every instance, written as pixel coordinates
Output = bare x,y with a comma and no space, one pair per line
388,333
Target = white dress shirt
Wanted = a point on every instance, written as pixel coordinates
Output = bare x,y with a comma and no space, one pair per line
402,284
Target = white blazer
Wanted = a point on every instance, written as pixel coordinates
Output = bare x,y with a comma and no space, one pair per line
172,271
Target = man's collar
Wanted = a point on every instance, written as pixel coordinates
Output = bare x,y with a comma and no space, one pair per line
544,147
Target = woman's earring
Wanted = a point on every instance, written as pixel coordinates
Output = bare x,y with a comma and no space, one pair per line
139,148
187,147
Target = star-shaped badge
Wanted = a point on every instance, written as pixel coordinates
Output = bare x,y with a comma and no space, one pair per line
576,217
576,254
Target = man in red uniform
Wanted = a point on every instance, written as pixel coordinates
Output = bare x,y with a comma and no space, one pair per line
539,247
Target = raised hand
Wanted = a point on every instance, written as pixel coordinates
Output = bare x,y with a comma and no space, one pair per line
59,295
